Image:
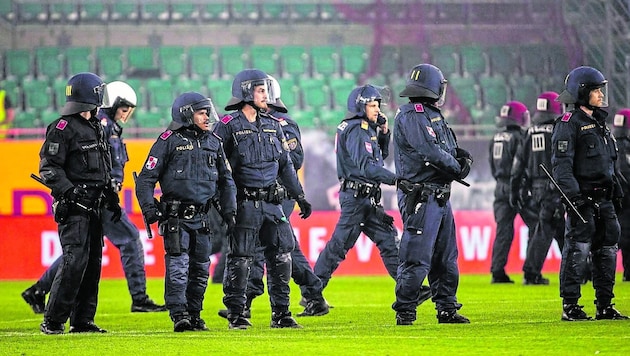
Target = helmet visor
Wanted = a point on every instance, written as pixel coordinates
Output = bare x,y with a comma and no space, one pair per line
598,95
248,86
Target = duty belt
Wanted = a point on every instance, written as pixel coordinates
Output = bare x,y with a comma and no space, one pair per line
188,211
274,194
598,194
362,189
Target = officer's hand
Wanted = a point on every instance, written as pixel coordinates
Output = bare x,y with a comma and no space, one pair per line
383,216
579,202
464,164
305,207
152,214
462,153
404,185
230,221
116,210
75,194
381,121
514,199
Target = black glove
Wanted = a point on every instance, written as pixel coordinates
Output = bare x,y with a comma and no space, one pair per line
152,214
383,216
404,185
462,153
75,194
305,207
464,164
230,221
116,210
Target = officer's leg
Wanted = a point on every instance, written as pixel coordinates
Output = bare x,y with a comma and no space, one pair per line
198,271
504,216
310,285
576,249
125,236
177,273
255,284
45,281
604,252
539,243
343,238
624,242
384,236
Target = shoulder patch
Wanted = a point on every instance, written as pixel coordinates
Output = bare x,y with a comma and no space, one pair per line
282,121
227,118
342,126
151,162
61,124
166,134
418,107
431,132
104,122
566,117
364,125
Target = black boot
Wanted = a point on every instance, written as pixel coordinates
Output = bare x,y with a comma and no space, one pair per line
36,298
283,320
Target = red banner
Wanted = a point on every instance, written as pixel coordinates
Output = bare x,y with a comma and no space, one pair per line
29,244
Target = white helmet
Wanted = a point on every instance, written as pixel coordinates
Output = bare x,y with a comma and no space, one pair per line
119,94
274,96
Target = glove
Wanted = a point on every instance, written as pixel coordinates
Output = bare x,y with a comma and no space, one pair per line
462,153
305,207
75,194
383,216
152,214
116,210
578,202
230,221
464,164
404,185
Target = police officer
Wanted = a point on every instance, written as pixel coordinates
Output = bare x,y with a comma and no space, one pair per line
583,161
189,163
75,164
536,150
258,152
119,102
621,130
505,142
301,271
427,159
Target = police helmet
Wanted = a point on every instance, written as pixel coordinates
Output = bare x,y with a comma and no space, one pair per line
580,82
274,96
426,81
185,106
548,108
359,97
119,94
84,92
243,87
513,113
621,122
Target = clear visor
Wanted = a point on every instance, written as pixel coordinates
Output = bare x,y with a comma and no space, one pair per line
598,96
127,115
209,107
247,88
442,98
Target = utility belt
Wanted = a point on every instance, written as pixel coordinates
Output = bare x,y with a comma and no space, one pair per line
362,189
186,211
421,192
274,194
598,194
89,203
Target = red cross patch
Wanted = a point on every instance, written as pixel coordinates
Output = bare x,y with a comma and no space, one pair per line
430,131
368,147
151,162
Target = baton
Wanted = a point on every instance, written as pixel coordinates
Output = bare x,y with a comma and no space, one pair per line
447,174
39,180
564,196
144,219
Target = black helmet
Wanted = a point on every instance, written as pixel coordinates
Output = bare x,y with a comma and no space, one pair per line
185,106
243,87
426,81
359,97
84,92
579,83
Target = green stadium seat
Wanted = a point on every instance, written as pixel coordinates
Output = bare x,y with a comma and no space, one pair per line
315,93
48,116
49,62
202,61
140,58
245,11
184,12
473,60
389,61
354,59
502,60
301,12
293,60
305,118
274,11
37,95
160,93
109,62
554,82
330,119
341,88
233,59
13,90
123,11
64,12
59,92
172,61
220,92
325,60
7,12
525,89
446,58
466,89
78,59
533,60
154,12
25,120
559,60
18,63
150,122
290,94
494,89
328,12
32,12
184,84
94,11
138,85
264,58
216,12
486,116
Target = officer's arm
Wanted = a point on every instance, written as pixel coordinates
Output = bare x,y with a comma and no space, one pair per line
294,139
383,140
52,160
150,174
421,139
357,143
226,183
563,153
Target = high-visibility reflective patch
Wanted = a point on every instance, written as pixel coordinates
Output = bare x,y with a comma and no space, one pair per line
566,116
151,162
368,147
430,131
61,125
166,134
418,107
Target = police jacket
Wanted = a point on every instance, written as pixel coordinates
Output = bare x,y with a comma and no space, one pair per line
118,149
293,136
583,152
258,152
623,164
75,152
503,148
421,134
534,151
359,156
190,166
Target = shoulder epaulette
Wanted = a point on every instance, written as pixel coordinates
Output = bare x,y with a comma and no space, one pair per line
226,119
166,134
61,124
418,107
566,117
365,125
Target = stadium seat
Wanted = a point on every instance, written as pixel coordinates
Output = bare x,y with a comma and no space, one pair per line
46,117
25,120
264,58
122,11
533,60
140,58
109,62
275,12
59,92
13,90
78,59
466,89
330,119
220,92
64,12
152,12
7,12
325,60
389,61
300,12
328,12
202,61
525,89
232,59
138,85
184,84
486,116
18,63
559,60
293,60
49,62
160,93
37,95
32,12
172,61
410,56
341,88
290,93
354,59
315,93
215,12
184,12
94,11
474,61
305,118
494,89
502,60
245,11
446,58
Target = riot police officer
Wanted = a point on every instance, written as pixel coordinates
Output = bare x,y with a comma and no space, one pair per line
301,271
621,130
427,160
534,151
189,163
75,164
256,147
583,161
119,102
505,142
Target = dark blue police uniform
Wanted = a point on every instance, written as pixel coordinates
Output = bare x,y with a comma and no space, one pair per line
623,168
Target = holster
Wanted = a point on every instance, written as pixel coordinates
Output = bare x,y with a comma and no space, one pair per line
172,235
61,209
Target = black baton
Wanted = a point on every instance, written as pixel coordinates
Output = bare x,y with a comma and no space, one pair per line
447,174
564,196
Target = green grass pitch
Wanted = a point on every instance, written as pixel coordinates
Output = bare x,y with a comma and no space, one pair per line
505,320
